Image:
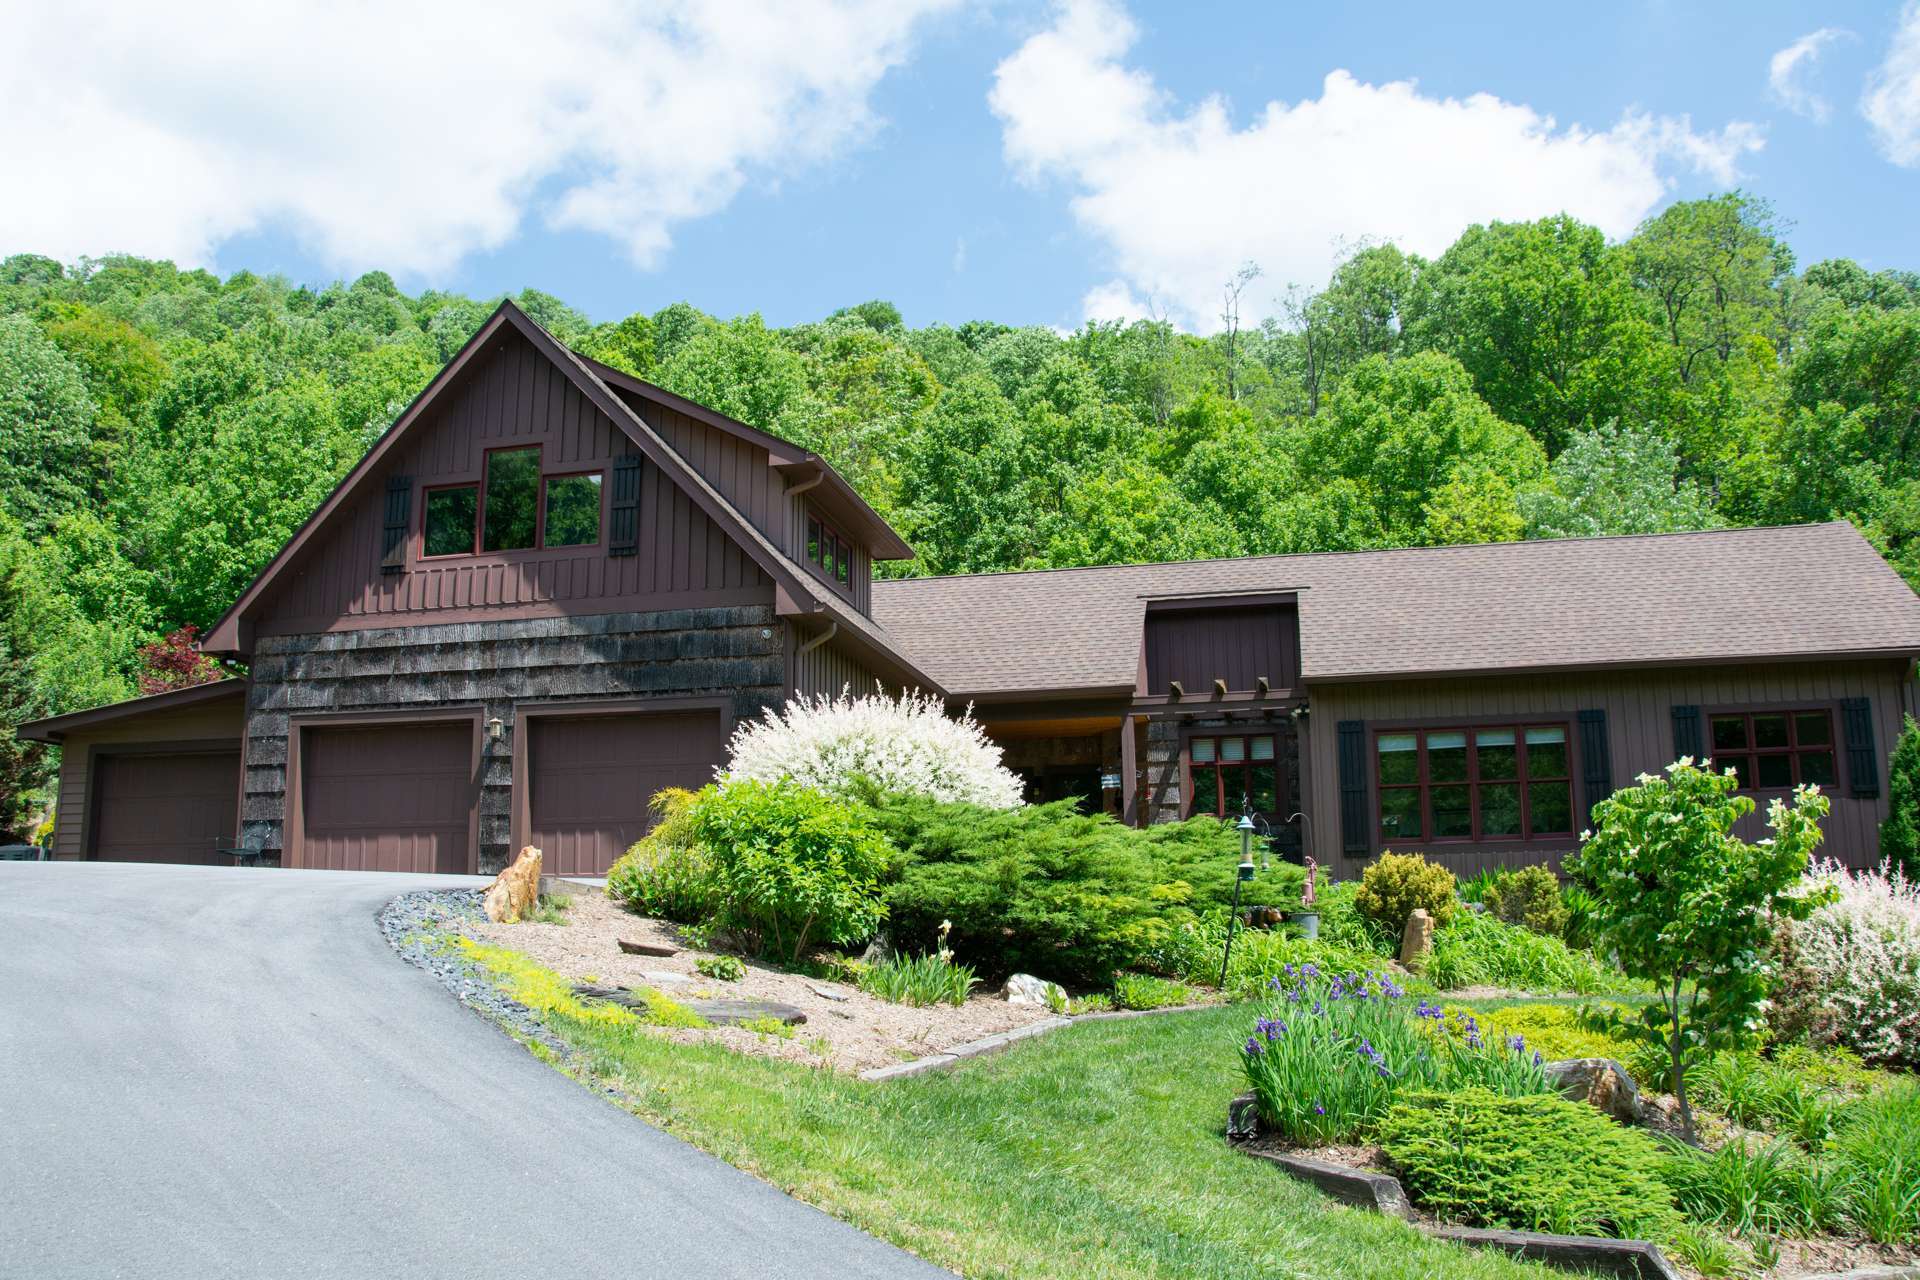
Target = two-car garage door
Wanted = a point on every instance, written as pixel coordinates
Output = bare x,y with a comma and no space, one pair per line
402,797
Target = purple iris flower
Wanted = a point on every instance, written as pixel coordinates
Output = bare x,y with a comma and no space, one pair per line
1254,1047
1517,1043
1319,1110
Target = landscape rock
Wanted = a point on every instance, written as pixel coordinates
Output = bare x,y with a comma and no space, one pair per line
827,993
513,893
634,948
1601,1082
1243,1118
731,1013
1628,1259
1417,940
666,978
1024,988
1361,1188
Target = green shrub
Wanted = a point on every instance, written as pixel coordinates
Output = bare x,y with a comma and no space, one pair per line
1529,897
1397,884
722,968
792,866
1581,905
666,874
1556,1030
1900,833
1042,889
1532,1163
1140,991
1192,950
1202,853
919,980
1477,949
1476,886
1329,1053
1342,925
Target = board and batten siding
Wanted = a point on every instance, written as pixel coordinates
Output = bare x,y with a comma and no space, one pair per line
826,670
1639,710
212,726
516,397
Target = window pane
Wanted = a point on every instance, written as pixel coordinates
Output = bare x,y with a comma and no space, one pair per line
1495,754
1769,731
1500,809
1206,791
1452,813
1742,767
450,514
1399,758
813,541
844,565
1729,733
1812,729
1550,804
1447,757
1400,813
1202,750
1775,771
1262,748
573,511
1262,789
1233,750
1547,753
513,498
1817,767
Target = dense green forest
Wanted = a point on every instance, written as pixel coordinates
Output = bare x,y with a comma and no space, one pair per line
163,431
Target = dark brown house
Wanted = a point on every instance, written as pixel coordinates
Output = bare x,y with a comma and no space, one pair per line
551,589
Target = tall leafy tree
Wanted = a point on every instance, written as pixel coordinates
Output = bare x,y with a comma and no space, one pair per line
46,425
1614,480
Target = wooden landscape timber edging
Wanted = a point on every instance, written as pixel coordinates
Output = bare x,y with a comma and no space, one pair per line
994,1043
1382,1193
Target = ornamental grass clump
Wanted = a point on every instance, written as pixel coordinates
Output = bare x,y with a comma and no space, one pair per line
1329,1054
1850,972
847,745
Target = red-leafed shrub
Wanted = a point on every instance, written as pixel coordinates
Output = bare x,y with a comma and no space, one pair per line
174,661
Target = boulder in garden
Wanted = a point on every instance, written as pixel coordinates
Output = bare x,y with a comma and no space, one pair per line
1024,988
1417,940
1600,1082
514,892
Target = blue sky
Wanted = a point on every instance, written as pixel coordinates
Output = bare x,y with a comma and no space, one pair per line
1025,162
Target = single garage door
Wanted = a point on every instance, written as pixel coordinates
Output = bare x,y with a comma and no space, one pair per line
165,808
387,798
591,777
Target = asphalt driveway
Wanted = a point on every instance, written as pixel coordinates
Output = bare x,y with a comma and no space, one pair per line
227,1072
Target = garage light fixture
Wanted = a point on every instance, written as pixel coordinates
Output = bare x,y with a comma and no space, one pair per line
496,729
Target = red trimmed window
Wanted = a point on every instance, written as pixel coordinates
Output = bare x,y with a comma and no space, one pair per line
1775,750
1494,783
828,551
1226,768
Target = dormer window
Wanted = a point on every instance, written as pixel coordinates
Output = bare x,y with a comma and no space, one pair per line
513,508
828,552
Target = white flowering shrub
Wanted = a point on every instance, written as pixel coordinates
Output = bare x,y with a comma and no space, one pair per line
1850,972
908,744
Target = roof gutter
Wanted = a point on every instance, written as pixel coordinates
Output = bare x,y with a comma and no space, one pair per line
819,478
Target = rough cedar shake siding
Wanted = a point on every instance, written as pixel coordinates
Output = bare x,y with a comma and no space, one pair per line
734,654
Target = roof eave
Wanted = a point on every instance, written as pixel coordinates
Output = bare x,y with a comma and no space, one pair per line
55,728
1908,653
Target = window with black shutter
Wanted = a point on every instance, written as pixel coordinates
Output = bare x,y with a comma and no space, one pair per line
1686,733
1863,762
1353,787
1596,762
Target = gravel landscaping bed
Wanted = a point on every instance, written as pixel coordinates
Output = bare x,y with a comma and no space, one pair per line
846,1029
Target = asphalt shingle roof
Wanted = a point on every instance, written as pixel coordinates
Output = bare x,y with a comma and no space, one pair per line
1792,592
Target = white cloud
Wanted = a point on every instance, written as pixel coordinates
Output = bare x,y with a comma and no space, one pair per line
408,136
1114,300
1891,103
1182,197
1785,68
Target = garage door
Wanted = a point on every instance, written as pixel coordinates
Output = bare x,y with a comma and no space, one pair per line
591,777
387,798
165,808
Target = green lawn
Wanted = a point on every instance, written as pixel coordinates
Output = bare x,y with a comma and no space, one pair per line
1095,1151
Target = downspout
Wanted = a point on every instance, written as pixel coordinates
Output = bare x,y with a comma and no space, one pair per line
833,629
818,478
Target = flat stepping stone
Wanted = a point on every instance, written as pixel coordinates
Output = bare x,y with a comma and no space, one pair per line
634,948
662,978
731,1013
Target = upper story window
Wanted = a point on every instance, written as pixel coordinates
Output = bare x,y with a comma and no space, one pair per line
514,508
1775,749
1232,769
829,552
1489,783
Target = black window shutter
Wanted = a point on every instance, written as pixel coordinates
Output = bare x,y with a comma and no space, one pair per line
1596,766
1686,733
1353,787
393,535
623,535
1863,765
